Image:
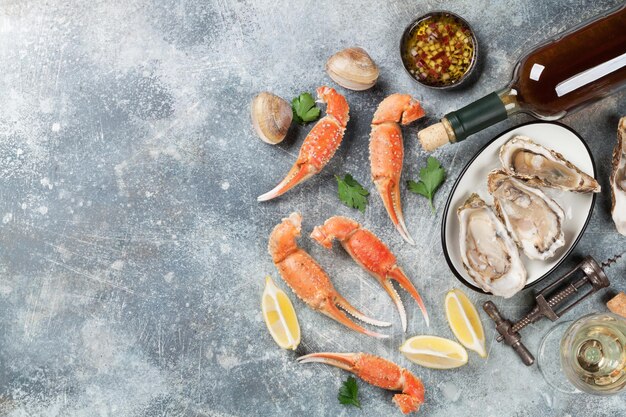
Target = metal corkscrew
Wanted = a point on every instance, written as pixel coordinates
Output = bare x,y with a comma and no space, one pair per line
552,302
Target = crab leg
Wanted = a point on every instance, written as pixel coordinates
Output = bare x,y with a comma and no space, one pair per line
387,153
308,280
378,372
320,144
373,255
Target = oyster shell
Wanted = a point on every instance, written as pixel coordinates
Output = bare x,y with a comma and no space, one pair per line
523,158
618,179
489,254
533,219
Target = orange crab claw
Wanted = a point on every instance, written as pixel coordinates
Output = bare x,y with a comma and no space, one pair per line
387,152
378,372
373,255
398,108
320,144
397,274
308,280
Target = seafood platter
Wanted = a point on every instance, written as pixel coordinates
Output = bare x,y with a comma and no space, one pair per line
533,194
512,216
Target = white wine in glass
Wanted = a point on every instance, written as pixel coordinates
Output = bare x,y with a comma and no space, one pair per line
593,354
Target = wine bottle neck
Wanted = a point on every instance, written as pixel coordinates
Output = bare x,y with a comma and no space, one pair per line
478,115
508,97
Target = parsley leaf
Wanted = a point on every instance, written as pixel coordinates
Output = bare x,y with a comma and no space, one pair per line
349,393
351,193
304,109
431,177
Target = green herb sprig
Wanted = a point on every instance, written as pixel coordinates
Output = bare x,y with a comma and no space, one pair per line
431,177
351,193
349,393
304,109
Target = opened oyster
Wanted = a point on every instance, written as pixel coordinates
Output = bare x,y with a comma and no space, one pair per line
618,179
489,254
533,219
544,167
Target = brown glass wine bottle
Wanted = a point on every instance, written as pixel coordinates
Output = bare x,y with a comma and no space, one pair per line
564,74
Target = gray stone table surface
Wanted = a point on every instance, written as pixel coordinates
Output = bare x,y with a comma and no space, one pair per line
132,247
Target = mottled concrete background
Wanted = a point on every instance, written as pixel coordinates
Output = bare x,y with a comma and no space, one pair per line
132,248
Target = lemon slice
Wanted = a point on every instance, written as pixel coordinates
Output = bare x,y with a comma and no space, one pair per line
280,317
465,322
434,352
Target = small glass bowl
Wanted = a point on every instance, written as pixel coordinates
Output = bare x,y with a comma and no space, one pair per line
403,52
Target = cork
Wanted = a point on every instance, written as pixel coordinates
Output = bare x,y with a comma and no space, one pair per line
433,136
617,304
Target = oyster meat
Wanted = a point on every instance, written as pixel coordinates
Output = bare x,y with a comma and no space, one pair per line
618,179
533,219
523,158
489,254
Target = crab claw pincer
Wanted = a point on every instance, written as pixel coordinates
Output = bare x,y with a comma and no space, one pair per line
372,254
320,144
387,152
378,372
308,280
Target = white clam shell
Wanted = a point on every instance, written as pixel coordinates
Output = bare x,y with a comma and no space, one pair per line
271,117
352,68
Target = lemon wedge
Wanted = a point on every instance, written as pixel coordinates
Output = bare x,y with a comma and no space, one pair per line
465,321
280,316
434,352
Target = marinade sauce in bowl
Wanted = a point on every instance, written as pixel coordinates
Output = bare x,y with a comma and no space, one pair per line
439,50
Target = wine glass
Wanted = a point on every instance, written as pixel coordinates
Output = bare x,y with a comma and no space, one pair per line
590,352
